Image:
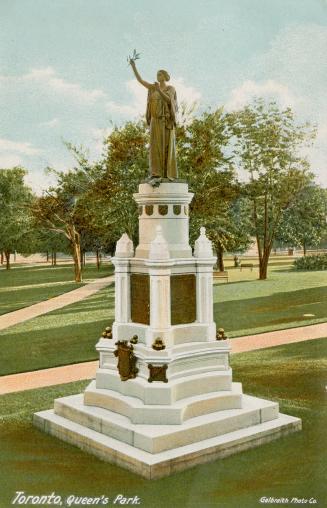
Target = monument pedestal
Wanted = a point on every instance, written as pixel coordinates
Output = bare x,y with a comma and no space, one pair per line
163,399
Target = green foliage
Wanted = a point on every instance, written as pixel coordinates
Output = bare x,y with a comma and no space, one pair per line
316,262
202,145
304,222
16,228
268,145
96,199
124,166
201,159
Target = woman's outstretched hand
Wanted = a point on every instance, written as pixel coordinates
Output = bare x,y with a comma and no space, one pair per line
131,58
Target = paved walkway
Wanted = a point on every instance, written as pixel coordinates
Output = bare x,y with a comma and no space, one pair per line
279,337
18,316
86,370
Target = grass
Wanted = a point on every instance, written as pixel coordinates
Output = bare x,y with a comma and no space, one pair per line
22,286
61,337
246,306
242,307
295,465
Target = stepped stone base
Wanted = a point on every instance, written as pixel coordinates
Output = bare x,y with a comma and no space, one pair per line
176,413
182,408
154,451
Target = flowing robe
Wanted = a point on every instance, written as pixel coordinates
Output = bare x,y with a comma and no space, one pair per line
161,117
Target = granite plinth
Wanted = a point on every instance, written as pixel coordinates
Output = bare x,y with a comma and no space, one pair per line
143,449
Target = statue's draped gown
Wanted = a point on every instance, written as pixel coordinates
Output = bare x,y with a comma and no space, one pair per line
161,117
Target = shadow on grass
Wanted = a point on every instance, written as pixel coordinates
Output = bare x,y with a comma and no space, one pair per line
47,273
290,466
277,308
51,347
231,283
86,306
60,337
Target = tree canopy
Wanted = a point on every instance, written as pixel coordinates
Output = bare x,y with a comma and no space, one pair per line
92,204
268,145
16,199
303,224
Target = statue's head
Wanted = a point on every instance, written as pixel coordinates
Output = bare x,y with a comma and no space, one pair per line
163,75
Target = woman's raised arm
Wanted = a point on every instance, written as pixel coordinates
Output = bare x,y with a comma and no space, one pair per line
137,75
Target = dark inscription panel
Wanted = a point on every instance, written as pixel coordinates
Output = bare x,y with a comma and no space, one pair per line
140,298
183,299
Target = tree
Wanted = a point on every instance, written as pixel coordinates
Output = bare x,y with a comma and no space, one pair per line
50,242
303,224
267,146
124,166
15,219
61,210
202,148
106,206
201,160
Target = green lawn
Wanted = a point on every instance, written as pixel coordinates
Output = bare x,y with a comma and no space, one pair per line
61,337
295,465
247,305
69,335
22,286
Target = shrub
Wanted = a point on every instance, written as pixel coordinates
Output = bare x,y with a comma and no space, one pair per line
318,262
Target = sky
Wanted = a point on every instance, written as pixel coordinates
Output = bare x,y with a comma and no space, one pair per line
64,74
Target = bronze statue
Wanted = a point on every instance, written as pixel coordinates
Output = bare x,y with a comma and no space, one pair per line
161,117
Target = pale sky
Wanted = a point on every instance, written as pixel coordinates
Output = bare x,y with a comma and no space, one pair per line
64,75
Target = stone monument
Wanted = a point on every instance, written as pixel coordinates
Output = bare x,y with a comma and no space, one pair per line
163,399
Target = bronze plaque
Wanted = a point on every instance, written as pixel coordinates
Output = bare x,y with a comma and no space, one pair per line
149,209
140,298
126,360
183,299
177,209
157,373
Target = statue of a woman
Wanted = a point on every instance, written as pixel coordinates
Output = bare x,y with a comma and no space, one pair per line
161,117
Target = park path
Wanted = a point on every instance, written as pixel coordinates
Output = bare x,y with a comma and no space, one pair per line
57,302
87,370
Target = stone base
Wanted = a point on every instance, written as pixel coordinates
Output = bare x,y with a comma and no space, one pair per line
154,451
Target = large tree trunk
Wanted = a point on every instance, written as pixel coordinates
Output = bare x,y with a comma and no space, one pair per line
7,256
76,250
1,257
97,258
220,257
263,269
47,256
53,258
304,249
263,264
77,262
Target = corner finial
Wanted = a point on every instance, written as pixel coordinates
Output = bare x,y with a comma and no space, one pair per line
203,246
124,247
159,246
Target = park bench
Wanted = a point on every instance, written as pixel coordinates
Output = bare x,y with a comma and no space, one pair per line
220,276
246,265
